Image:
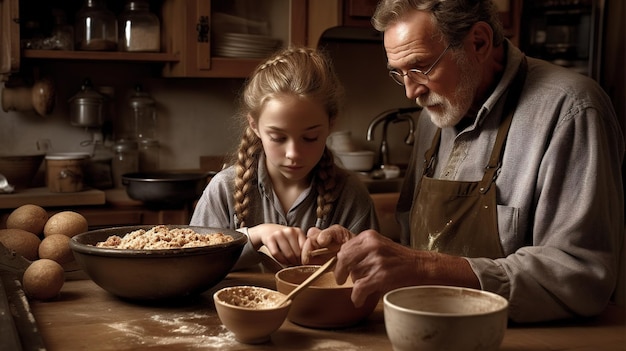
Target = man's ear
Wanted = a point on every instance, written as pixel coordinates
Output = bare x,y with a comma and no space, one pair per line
480,40
253,125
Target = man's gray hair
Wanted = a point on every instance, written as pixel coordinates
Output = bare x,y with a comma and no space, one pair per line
453,18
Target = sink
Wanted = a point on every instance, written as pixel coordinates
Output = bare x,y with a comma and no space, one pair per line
376,186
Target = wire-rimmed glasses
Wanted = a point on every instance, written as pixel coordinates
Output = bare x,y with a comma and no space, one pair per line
414,74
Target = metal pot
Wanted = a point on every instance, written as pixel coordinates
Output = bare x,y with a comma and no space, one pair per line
87,107
165,189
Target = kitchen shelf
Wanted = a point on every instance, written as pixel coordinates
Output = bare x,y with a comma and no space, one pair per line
101,56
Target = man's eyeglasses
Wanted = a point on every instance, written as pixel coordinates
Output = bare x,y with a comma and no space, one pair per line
416,75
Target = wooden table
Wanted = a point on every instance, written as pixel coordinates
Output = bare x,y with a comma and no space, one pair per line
85,317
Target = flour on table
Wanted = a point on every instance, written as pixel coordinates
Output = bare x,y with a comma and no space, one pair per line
179,330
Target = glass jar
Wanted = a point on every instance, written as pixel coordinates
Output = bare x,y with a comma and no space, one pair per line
139,29
62,37
96,27
143,114
125,160
148,155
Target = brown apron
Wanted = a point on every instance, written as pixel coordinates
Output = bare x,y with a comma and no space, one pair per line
457,217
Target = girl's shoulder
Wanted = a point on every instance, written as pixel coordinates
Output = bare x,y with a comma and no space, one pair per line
223,178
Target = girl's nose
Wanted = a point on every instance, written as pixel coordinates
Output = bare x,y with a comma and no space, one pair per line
291,151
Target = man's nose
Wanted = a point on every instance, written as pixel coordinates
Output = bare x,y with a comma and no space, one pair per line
414,90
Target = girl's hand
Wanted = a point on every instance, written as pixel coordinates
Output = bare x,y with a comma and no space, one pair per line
284,243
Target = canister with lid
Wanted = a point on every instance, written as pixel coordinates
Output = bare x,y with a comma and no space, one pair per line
65,171
139,29
87,106
125,160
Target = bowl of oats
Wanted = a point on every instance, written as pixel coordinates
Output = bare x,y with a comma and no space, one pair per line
157,262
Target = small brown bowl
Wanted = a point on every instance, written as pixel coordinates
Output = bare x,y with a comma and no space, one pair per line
251,313
324,304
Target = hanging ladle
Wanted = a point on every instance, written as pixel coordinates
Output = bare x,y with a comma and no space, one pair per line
328,265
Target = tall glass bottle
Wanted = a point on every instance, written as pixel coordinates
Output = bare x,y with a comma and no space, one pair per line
96,27
143,110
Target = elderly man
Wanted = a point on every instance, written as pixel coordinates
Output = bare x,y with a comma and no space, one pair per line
515,180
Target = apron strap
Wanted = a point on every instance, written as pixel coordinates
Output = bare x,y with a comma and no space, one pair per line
429,155
495,162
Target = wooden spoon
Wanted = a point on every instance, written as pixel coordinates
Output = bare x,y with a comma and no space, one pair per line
329,264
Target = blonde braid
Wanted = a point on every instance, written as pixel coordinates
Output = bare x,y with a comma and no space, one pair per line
327,189
245,169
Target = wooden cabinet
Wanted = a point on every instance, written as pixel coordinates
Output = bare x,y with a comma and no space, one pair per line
186,35
190,28
9,38
357,13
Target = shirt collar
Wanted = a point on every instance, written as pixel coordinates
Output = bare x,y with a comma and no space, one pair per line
513,59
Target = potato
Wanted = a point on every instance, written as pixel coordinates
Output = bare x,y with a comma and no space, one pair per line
56,247
43,279
31,218
68,223
23,242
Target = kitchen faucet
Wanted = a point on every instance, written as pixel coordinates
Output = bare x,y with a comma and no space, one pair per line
391,116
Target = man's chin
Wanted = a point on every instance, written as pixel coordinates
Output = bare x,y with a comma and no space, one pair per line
436,115
441,121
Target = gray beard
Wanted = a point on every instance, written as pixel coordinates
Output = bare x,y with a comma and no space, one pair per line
453,109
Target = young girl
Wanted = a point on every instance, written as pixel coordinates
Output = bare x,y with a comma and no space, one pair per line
284,180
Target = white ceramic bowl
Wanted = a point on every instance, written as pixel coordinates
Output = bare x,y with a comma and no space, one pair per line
356,160
435,318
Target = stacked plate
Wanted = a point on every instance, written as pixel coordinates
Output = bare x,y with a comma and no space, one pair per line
243,45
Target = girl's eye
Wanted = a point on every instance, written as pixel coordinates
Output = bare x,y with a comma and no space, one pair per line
310,139
277,138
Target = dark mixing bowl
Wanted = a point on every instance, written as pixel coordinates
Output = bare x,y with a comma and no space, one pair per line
155,274
165,189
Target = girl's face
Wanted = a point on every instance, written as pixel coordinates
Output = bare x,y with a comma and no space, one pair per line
293,131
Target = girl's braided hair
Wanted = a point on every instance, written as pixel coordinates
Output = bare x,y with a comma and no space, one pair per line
295,71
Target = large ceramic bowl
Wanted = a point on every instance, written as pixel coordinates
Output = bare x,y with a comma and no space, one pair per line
434,318
323,304
252,313
155,274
